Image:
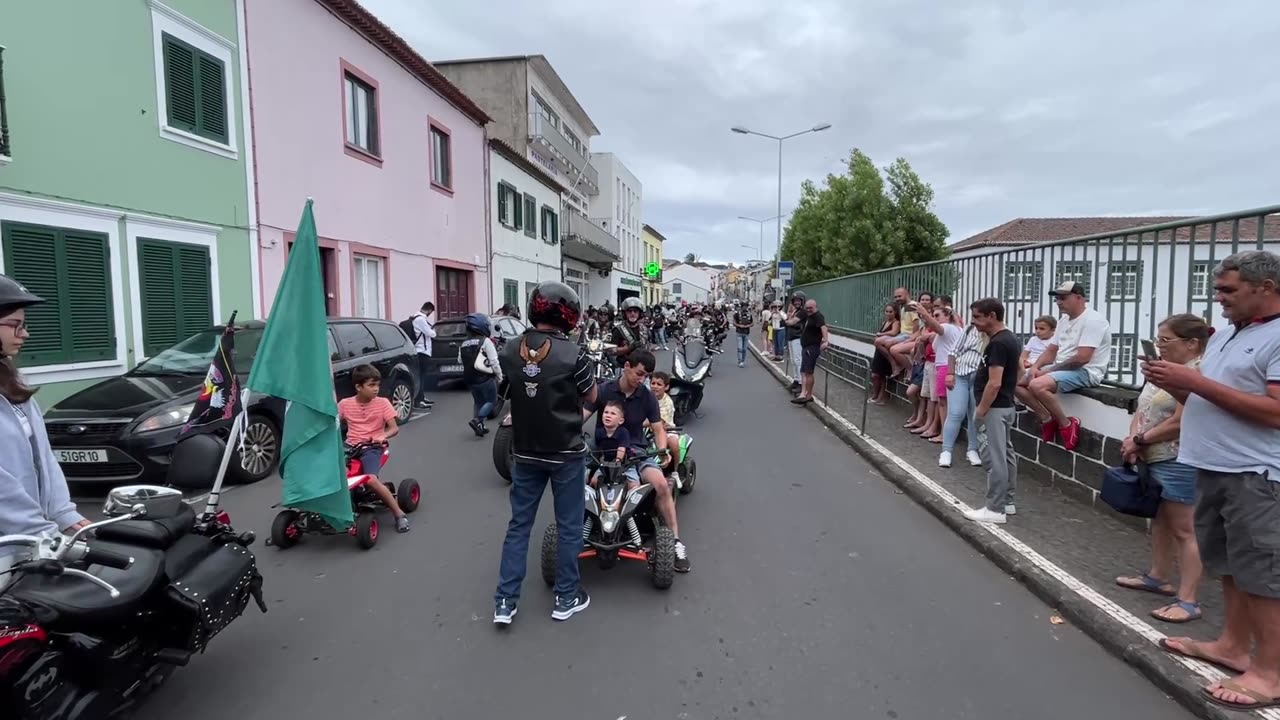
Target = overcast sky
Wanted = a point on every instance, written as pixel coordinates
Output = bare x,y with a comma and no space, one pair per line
1009,108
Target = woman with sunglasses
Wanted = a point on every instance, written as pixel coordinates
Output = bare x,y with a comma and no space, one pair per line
34,498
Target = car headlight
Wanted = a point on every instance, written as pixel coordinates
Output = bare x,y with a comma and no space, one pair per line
167,418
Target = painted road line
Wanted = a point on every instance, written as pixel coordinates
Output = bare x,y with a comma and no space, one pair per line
1126,618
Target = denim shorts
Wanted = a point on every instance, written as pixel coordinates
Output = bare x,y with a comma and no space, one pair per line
917,374
1177,481
1071,380
371,461
632,474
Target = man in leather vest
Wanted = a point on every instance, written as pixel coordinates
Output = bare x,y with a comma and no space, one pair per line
550,378
629,334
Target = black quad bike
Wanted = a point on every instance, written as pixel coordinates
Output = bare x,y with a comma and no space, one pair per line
619,525
290,524
91,623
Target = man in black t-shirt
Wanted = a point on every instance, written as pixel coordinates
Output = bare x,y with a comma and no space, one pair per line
742,321
795,316
814,338
994,385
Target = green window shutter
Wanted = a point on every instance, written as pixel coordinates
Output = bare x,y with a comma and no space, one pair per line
212,101
180,84
502,203
87,274
531,215
30,258
174,284
517,209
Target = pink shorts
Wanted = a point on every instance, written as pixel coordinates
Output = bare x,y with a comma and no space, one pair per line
942,383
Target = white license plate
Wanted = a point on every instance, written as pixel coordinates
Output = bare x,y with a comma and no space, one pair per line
451,369
81,456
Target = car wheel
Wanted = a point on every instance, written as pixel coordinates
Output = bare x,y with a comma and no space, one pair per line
261,450
402,399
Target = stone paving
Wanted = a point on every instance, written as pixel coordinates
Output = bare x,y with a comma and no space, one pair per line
1094,545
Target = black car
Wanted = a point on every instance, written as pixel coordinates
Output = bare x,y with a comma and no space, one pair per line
123,429
450,334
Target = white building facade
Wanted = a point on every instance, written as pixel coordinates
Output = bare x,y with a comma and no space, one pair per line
619,210
687,283
525,206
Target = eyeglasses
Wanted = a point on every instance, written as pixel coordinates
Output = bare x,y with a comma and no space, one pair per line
1162,340
17,325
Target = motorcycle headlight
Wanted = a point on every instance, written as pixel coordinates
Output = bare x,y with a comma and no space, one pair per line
698,376
681,372
608,521
167,418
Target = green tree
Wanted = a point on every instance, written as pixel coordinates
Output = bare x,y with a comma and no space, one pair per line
690,258
854,223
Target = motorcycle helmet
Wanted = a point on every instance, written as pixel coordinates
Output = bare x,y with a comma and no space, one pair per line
13,295
799,295
554,303
478,323
631,303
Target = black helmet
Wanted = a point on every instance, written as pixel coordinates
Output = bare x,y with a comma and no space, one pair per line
554,303
631,303
799,295
14,295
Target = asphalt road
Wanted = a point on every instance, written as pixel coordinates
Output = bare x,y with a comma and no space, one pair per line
817,591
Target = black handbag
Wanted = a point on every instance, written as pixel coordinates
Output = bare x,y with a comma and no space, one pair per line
1130,490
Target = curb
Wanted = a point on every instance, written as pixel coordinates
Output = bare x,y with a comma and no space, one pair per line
1119,640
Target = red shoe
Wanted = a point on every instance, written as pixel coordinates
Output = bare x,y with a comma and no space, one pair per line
1049,430
1071,434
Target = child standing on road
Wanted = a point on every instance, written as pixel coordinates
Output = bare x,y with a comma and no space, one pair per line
372,421
612,437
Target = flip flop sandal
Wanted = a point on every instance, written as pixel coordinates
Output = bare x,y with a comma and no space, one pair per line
1149,584
936,439
1190,654
1192,610
1260,701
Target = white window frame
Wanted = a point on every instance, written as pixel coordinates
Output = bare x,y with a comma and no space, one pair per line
38,211
1196,275
1126,274
361,267
166,20
1124,348
174,231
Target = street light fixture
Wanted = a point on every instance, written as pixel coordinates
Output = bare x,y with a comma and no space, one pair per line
761,222
745,131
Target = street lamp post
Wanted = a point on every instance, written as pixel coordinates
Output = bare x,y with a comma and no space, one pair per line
761,222
744,131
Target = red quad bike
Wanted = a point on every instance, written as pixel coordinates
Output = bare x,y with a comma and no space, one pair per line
290,525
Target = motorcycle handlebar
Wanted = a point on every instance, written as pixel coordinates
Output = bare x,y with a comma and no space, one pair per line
107,558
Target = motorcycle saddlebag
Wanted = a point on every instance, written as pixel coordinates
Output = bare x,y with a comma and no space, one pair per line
216,591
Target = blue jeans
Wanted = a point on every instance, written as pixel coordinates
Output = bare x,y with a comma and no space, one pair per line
961,407
742,347
528,482
484,394
779,342
660,333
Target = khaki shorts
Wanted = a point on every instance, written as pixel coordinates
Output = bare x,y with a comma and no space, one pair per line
930,386
1238,528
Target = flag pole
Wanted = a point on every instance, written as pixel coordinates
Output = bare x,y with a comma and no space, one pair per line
233,437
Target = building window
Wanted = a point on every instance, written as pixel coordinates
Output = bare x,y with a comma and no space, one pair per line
361,118
5,152
441,158
1074,271
1123,279
677,288
371,286
1200,281
71,270
574,141
550,225
1122,353
510,292
546,112
508,206
195,84
530,214
176,292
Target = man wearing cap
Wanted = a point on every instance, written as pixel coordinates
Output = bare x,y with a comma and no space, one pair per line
1077,358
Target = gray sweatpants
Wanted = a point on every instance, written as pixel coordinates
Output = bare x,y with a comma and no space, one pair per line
998,457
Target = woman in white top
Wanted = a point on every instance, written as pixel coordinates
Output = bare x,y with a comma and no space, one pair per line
946,335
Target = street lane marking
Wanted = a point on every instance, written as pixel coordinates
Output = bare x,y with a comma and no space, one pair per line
1128,619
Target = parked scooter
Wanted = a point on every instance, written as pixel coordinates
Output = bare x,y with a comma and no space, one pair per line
690,366
89,626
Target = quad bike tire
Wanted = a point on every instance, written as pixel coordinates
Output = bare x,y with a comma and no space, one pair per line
688,474
662,564
409,495
550,551
502,451
367,530
281,536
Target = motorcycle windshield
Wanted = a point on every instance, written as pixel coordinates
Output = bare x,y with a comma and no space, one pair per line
694,353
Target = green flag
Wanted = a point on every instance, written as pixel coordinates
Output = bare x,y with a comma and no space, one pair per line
293,364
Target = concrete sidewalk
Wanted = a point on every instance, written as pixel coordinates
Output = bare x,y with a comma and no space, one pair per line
1064,550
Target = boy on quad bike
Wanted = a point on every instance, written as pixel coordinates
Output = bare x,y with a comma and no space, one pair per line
370,418
660,383
638,407
611,437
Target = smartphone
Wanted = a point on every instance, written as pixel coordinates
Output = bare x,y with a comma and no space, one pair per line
1149,349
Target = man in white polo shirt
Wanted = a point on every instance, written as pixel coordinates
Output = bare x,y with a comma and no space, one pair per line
1231,433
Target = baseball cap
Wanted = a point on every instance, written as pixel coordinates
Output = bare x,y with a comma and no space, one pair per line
1068,288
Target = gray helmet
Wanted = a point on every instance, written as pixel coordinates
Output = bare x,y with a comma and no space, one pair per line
631,303
14,295
799,295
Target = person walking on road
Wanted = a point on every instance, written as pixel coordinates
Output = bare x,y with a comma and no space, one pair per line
551,379
742,321
425,330
993,385
814,338
1230,432
481,371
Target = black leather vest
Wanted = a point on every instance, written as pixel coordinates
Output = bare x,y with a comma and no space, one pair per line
467,353
546,408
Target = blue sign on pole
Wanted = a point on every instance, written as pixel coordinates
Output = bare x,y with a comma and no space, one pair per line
786,272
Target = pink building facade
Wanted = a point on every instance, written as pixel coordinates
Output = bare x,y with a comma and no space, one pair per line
394,156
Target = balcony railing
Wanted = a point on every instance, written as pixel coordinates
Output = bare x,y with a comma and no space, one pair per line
570,159
587,241
4,116
1135,277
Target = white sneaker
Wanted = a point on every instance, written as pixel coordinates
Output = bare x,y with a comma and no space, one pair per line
984,515
974,459
1010,509
944,460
